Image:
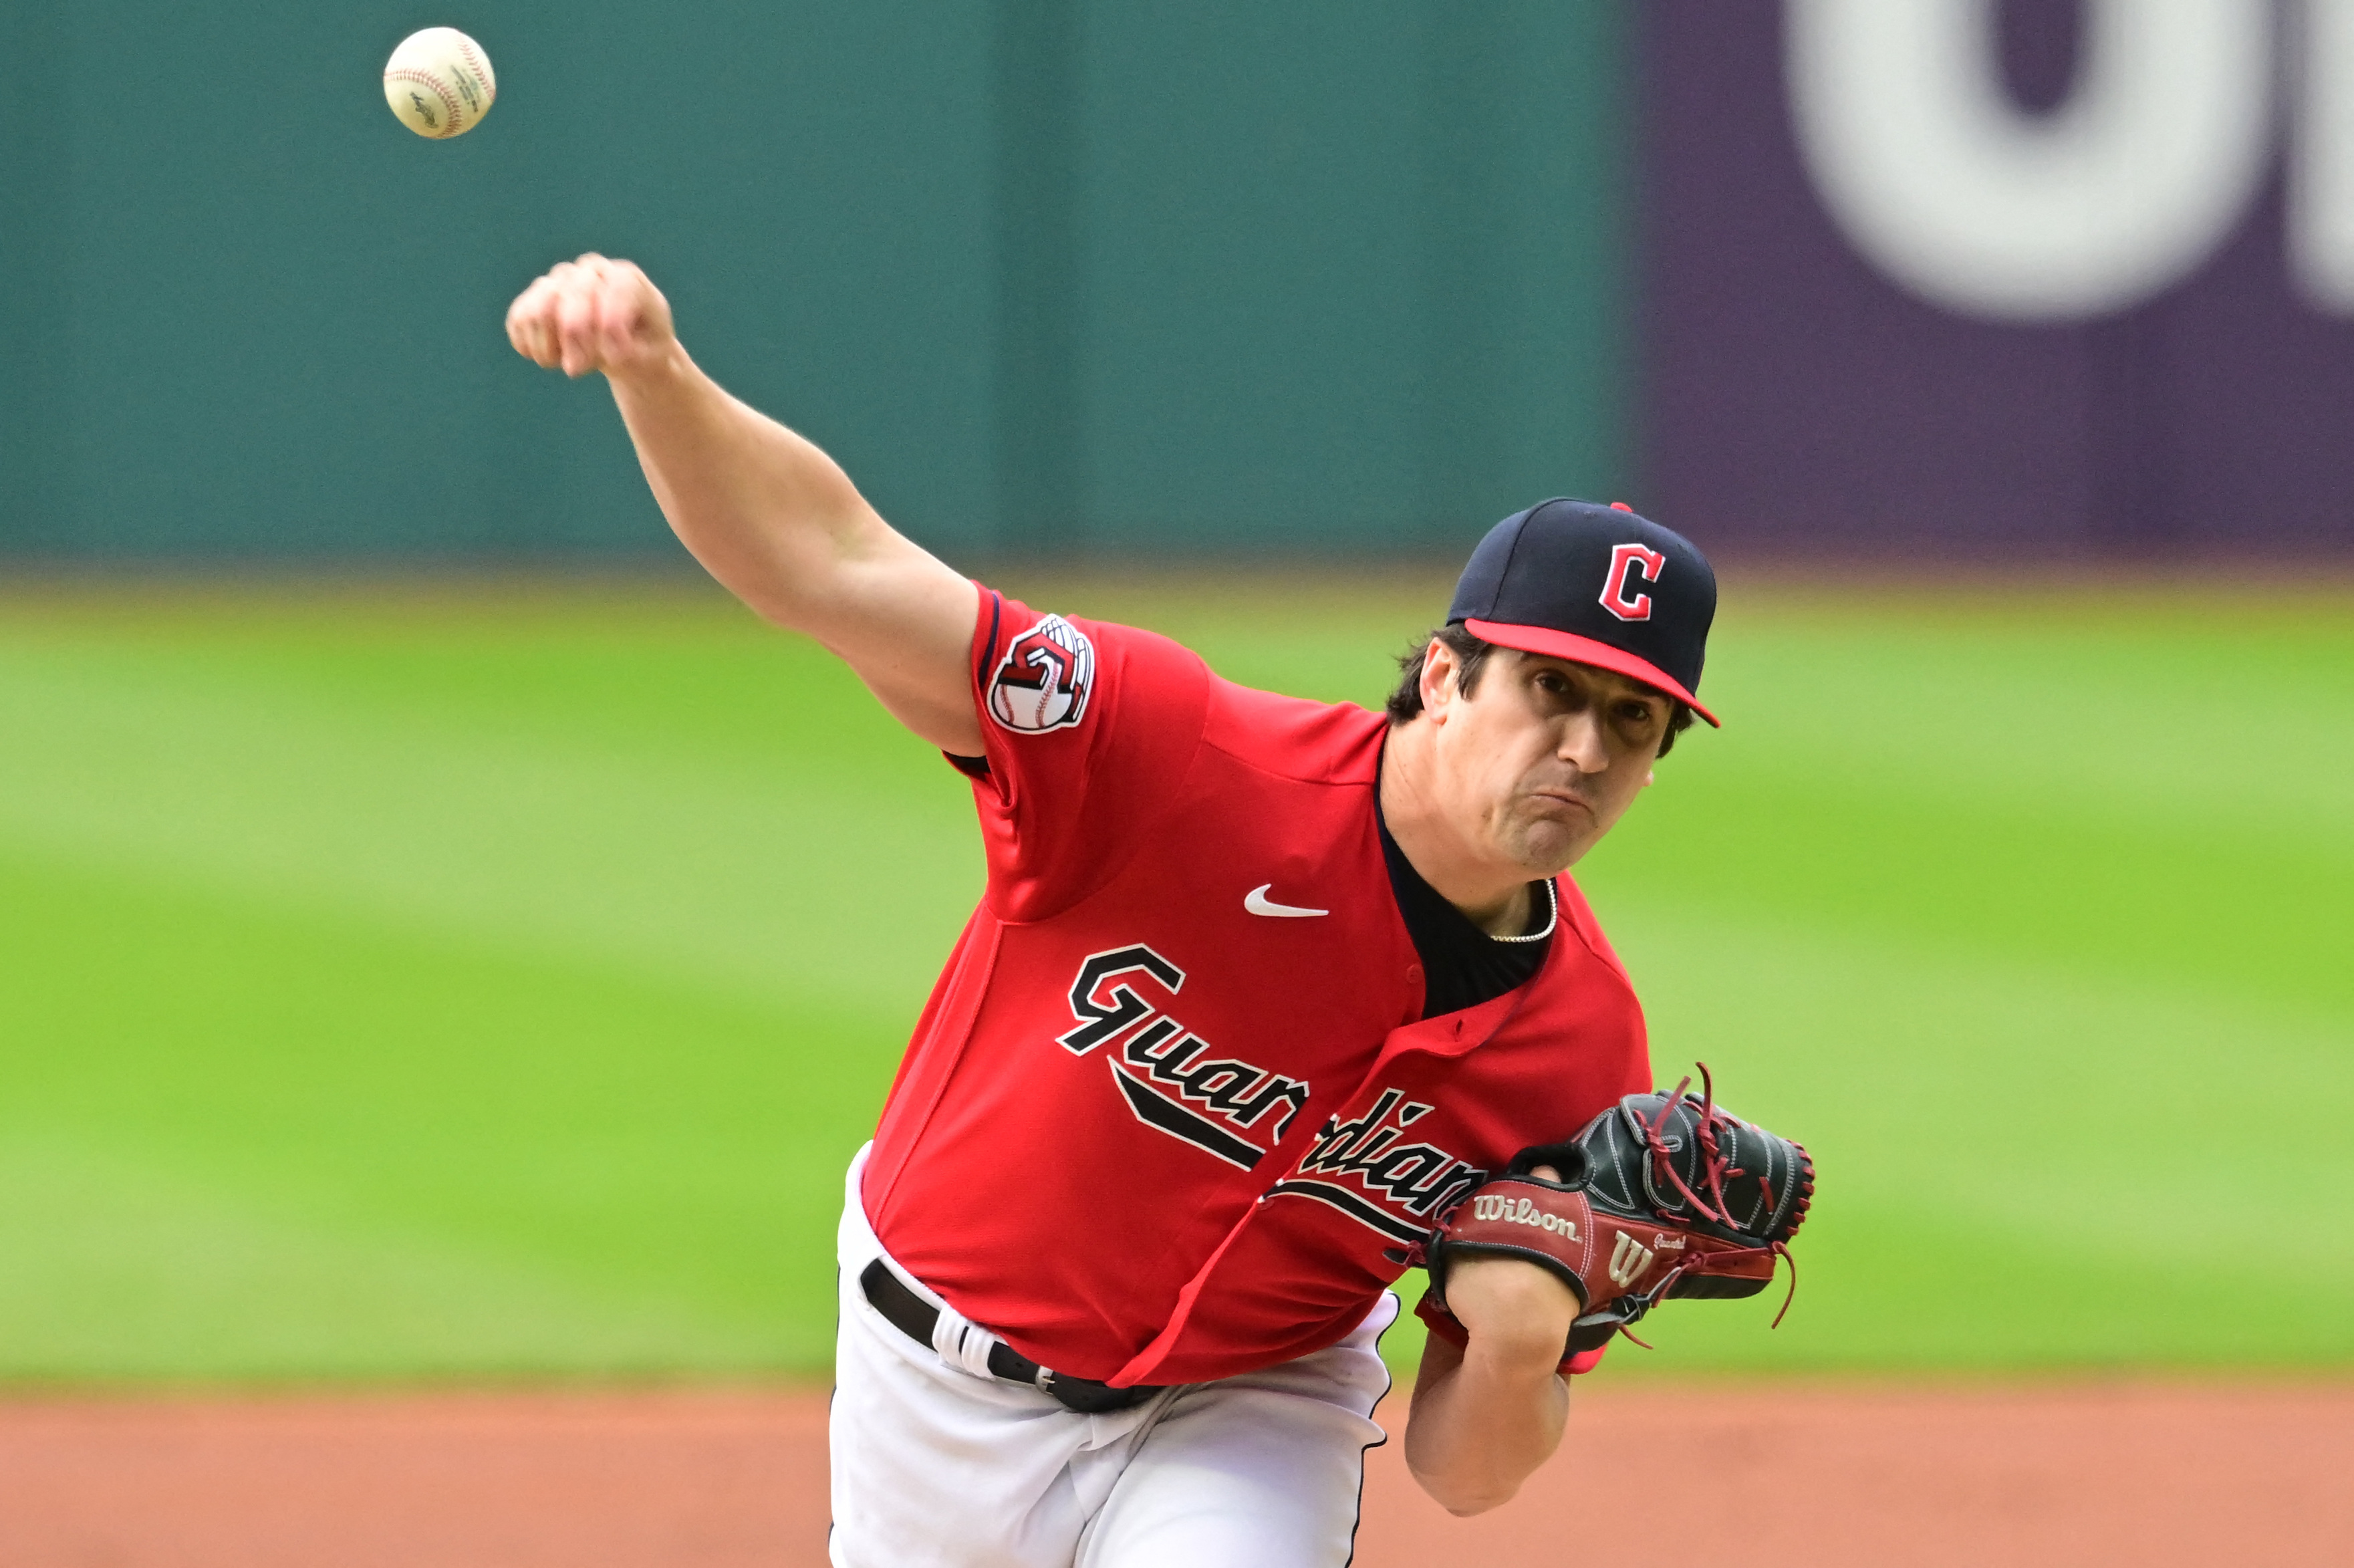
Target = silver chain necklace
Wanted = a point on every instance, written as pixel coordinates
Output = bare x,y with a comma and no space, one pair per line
1551,918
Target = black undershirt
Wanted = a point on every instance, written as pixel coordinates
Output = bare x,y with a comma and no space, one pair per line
1462,966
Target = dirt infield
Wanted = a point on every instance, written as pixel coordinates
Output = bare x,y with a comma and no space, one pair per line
1772,1475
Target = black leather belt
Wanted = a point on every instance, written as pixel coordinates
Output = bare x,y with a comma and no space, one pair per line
914,1317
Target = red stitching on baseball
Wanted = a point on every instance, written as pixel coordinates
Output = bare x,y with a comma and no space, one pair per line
447,103
482,73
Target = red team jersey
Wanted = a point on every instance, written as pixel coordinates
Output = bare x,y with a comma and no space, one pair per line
1152,1127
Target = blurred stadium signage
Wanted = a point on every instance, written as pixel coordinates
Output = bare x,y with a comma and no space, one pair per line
1961,275
1974,202
1960,195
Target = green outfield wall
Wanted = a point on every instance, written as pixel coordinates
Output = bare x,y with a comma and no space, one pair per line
1047,276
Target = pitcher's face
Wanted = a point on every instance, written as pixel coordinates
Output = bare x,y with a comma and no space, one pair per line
1544,755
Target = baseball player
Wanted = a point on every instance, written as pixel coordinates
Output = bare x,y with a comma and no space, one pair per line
1260,989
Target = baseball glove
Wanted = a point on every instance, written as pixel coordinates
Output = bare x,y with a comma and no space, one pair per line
1661,1195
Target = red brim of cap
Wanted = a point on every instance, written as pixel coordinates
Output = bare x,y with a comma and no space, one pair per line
1585,650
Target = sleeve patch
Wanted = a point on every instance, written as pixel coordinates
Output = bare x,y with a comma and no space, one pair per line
1043,681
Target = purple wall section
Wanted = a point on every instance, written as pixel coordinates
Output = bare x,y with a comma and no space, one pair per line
1798,402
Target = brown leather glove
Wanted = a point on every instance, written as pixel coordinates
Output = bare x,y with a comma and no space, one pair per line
1661,1195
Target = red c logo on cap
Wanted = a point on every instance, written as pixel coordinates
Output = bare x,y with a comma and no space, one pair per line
1624,561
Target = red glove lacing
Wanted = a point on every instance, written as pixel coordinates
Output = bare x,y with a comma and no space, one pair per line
1715,1166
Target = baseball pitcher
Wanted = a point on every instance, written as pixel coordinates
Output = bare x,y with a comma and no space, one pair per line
1267,1001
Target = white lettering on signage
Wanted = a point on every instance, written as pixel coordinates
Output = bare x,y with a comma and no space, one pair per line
2321,165
2124,189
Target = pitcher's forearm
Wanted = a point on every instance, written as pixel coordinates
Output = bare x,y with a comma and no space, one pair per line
765,511
1487,1415
780,525
1481,1423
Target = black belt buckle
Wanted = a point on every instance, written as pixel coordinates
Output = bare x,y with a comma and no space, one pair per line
915,1316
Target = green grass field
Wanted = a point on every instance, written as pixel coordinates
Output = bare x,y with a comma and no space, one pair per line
491,981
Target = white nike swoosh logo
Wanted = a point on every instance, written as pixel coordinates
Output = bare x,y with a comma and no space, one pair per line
1257,902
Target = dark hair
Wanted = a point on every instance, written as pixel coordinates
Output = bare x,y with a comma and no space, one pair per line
1471,654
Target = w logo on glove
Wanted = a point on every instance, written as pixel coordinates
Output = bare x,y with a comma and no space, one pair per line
1628,1259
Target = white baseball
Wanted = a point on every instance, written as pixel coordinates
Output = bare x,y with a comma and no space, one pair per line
438,82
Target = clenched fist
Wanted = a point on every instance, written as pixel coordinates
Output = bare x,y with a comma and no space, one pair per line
591,314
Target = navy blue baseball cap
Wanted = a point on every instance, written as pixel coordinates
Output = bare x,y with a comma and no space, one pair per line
1597,584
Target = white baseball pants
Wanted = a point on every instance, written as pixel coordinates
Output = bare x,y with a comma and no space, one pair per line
935,1466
